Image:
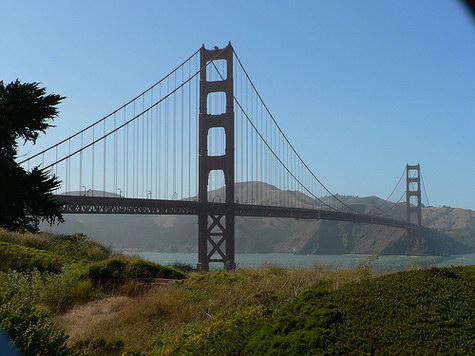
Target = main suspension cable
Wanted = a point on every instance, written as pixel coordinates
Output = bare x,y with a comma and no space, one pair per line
112,113
286,139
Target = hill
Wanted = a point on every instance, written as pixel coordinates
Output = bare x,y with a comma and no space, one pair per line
287,311
267,235
66,295
419,312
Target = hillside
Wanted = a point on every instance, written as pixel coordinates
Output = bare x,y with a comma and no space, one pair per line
66,295
266,235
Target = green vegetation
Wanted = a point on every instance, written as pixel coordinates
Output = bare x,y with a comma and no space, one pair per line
32,329
430,311
71,247
26,197
43,275
13,256
115,270
89,305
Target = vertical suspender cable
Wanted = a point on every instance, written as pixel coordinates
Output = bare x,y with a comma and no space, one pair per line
174,141
189,132
181,131
92,172
104,162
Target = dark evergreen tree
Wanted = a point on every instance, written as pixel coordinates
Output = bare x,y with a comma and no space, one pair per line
26,198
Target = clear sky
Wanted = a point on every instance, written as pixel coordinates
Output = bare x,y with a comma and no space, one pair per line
360,87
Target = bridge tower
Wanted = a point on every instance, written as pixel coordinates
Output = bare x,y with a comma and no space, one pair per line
413,189
216,220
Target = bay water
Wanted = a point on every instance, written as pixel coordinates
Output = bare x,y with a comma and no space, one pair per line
383,263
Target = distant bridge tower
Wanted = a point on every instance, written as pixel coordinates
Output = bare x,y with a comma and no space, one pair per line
413,189
216,221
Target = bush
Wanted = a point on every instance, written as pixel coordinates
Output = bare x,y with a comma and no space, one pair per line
39,241
222,336
429,311
147,269
69,247
117,270
23,258
80,246
55,291
304,327
31,330
182,266
99,346
107,271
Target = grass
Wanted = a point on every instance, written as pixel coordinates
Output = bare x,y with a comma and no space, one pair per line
106,306
427,311
430,311
21,258
116,270
165,316
71,247
42,275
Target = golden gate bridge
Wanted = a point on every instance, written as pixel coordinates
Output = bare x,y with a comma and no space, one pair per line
180,147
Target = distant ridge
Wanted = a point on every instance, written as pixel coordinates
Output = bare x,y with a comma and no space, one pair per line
92,193
266,235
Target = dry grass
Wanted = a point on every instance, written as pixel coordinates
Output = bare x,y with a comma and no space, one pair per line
145,321
81,320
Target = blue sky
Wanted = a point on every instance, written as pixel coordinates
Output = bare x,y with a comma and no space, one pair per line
360,87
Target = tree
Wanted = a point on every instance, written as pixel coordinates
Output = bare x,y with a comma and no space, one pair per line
26,198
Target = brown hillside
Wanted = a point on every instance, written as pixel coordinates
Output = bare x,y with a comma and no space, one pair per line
265,235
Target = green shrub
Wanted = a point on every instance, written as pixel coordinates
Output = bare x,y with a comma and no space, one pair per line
80,246
39,241
429,311
182,266
116,270
31,330
69,247
56,291
220,336
107,271
21,258
303,327
146,269
99,346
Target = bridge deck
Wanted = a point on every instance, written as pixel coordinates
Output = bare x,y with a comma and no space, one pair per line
116,205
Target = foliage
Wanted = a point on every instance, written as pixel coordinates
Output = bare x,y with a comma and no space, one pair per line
156,319
23,258
301,328
25,197
221,335
69,247
25,111
267,311
115,270
99,346
427,311
79,246
184,267
31,329
55,291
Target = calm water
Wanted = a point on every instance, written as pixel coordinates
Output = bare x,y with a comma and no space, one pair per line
381,263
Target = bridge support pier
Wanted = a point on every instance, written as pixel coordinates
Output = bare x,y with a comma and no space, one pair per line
413,190
216,230
216,220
